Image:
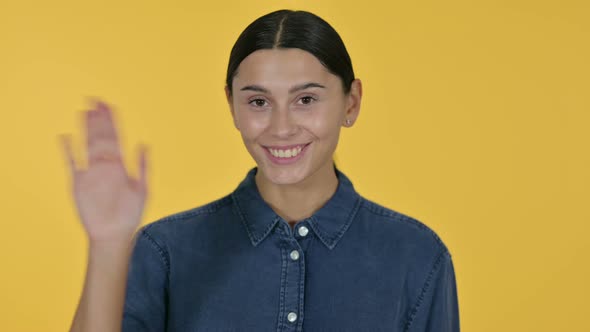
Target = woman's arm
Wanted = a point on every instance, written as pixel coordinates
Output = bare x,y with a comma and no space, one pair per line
110,205
103,296
437,309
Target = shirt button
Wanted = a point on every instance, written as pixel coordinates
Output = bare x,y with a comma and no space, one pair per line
294,255
292,317
303,231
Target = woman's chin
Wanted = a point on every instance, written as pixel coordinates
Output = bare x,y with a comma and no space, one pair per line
282,175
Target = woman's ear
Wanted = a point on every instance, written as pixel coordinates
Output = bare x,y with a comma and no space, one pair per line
230,101
353,106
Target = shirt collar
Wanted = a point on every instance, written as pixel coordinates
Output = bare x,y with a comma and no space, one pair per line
329,223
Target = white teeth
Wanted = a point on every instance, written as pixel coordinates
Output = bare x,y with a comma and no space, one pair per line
290,153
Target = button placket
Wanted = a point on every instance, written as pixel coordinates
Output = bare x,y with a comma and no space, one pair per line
293,283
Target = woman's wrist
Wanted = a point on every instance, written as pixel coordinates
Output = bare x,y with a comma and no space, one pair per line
111,244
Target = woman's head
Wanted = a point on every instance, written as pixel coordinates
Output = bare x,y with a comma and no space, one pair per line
291,86
284,29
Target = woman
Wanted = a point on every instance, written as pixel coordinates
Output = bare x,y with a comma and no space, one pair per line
294,247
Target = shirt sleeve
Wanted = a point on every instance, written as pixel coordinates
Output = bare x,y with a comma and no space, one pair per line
437,308
147,286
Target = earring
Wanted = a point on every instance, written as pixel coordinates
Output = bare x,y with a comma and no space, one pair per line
348,122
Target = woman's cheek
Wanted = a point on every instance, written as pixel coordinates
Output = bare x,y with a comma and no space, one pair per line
322,124
254,122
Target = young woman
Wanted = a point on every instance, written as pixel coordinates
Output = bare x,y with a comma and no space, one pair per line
294,247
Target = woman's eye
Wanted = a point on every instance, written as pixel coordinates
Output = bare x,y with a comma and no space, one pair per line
258,102
307,100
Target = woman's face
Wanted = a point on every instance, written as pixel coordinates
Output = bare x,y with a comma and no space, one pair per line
289,110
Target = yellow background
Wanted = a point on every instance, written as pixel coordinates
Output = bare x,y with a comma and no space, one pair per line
474,120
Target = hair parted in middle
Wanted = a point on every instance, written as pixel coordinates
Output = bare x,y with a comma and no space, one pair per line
293,29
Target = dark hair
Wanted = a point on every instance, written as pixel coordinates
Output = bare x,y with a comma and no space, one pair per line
293,29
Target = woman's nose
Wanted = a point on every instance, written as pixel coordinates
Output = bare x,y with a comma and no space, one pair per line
282,124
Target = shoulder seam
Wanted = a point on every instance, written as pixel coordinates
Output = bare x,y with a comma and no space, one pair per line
163,252
425,287
381,211
200,210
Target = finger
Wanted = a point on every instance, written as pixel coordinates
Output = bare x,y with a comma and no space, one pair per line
102,117
143,151
65,142
101,145
102,138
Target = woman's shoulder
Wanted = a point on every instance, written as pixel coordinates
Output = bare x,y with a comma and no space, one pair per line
189,218
401,226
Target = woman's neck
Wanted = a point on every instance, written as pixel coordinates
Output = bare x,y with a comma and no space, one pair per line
299,201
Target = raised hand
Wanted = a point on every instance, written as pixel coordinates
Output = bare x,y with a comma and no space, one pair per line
110,203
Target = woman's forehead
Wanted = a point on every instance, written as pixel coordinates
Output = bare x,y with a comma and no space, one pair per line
282,66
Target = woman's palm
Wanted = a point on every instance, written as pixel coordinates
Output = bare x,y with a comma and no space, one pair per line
110,203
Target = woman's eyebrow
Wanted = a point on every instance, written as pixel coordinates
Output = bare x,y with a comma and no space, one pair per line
296,88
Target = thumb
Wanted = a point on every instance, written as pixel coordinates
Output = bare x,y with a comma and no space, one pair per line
143,168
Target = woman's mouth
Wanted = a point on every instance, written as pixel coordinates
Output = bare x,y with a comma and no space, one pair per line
286,154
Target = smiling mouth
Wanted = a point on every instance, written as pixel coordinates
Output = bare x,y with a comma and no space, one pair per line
286,151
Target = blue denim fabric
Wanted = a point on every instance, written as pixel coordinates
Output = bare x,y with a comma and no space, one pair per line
235,265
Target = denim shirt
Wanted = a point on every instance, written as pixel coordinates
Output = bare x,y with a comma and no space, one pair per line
235,265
